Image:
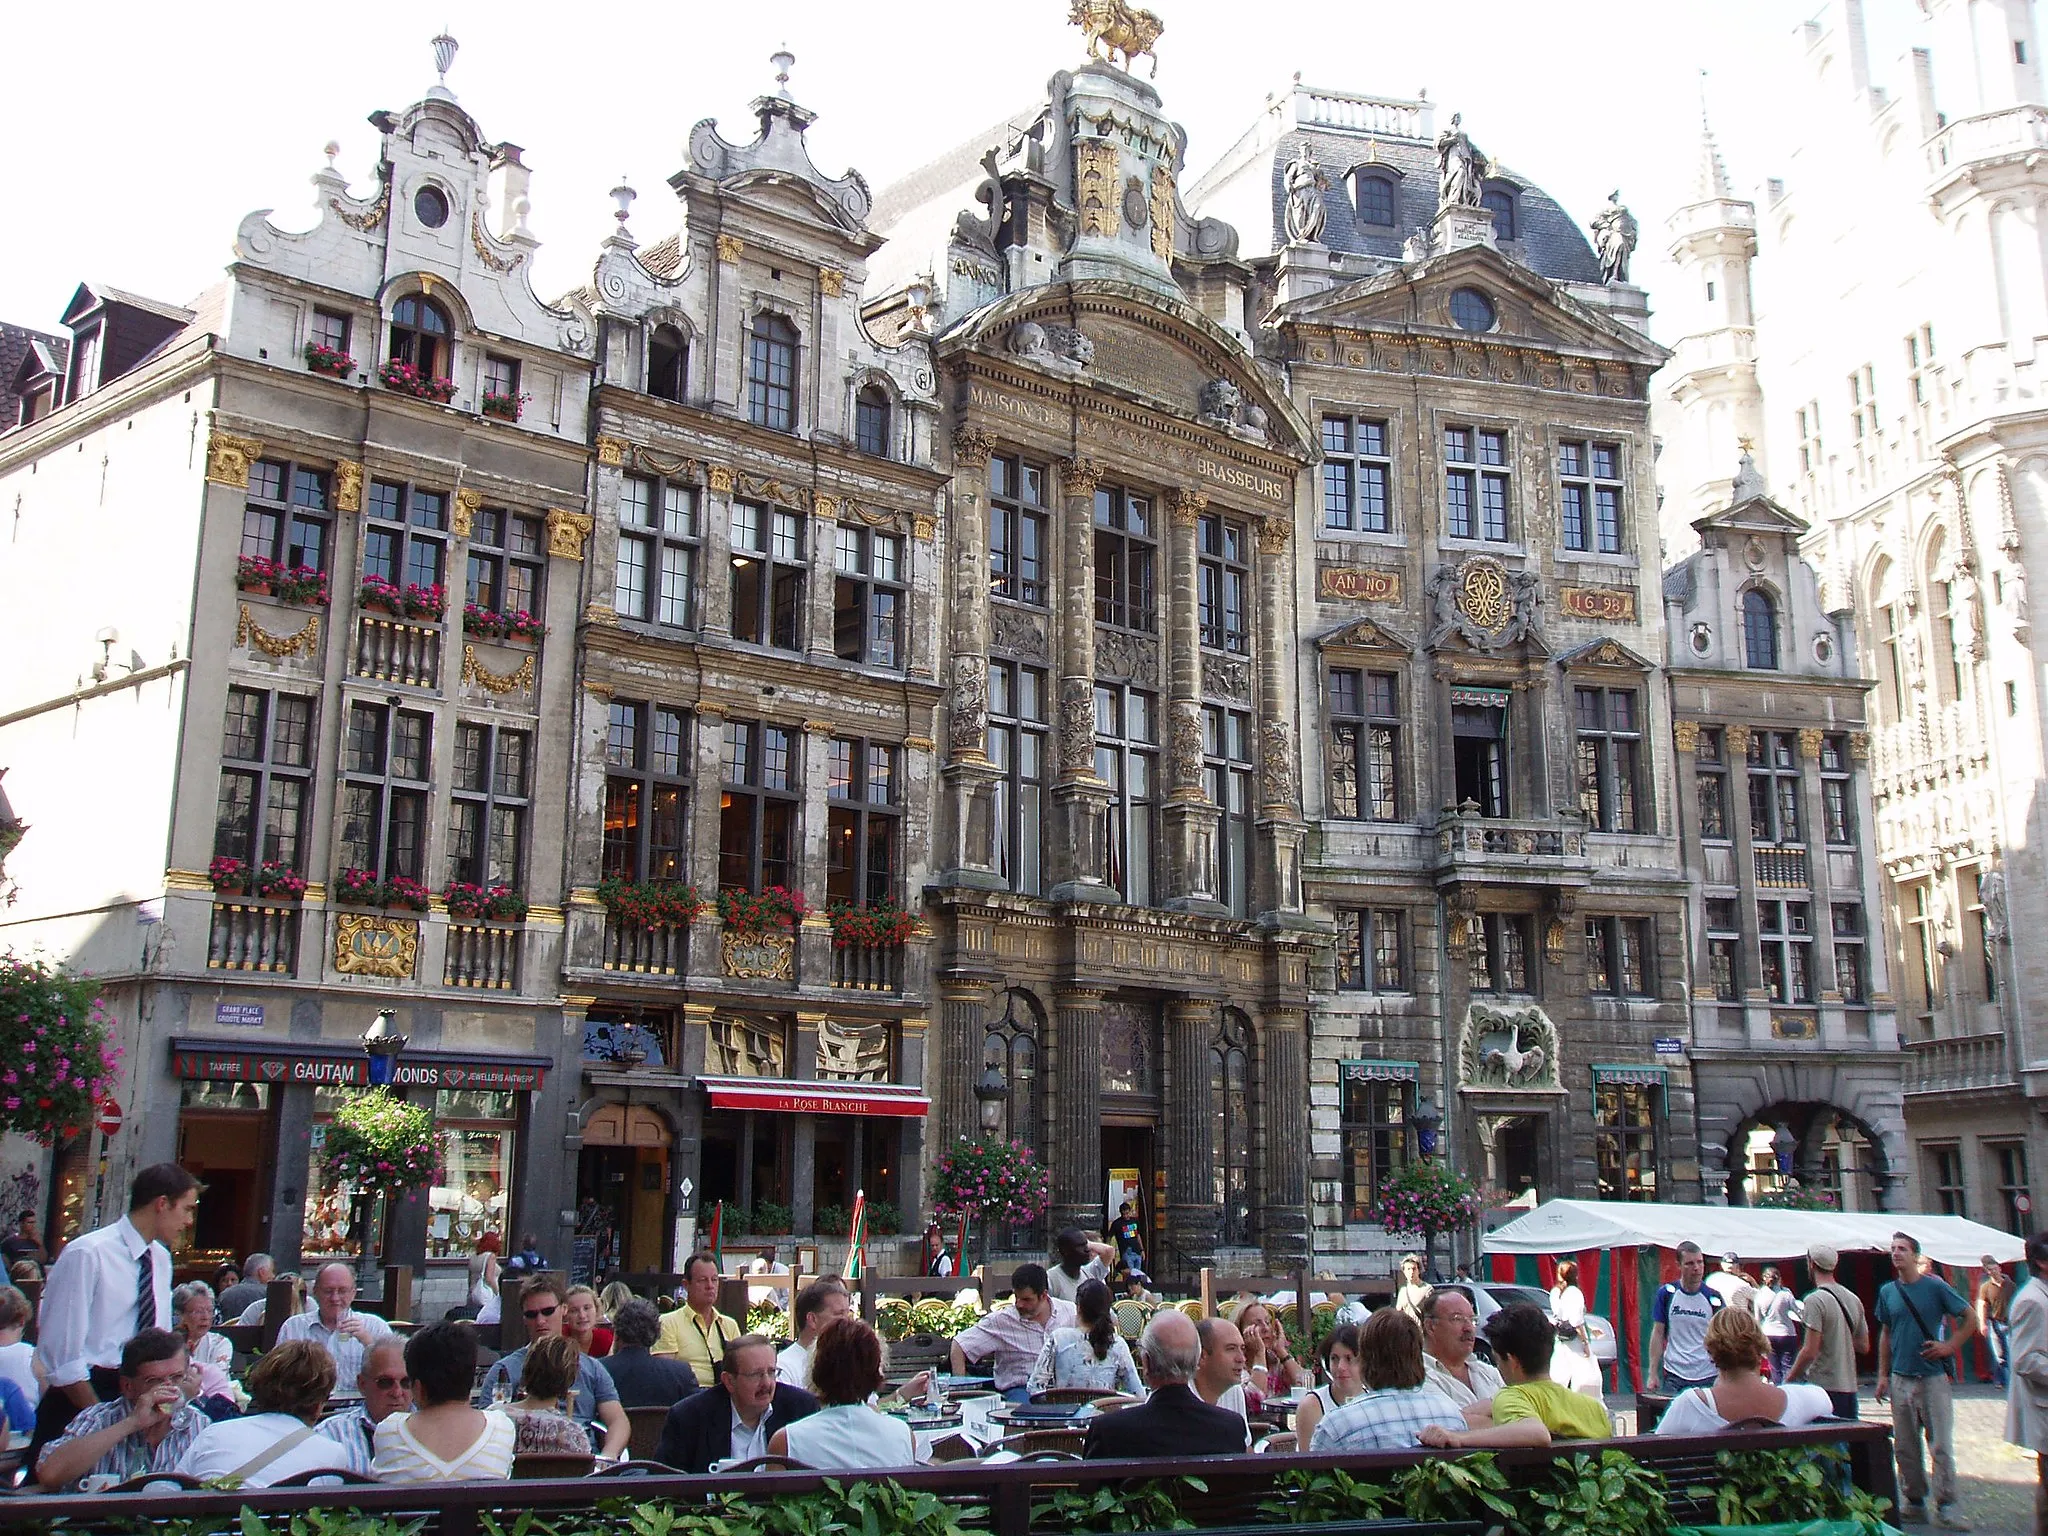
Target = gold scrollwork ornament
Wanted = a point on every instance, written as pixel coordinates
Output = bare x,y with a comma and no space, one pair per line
366,945
348,486
474,671
304,642
228,459
567,531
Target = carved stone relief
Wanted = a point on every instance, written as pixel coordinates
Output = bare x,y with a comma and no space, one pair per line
1077,725
1508,1048
1133,658
1015,633
969,730
1227,677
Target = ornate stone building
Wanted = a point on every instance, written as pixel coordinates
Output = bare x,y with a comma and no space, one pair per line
1123,956
760,678
1900,424
1793,1030
1479,662
337,530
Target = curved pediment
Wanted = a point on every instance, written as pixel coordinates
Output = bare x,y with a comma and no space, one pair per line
780,156
1135,342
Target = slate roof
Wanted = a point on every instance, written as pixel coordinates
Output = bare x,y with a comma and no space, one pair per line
16,342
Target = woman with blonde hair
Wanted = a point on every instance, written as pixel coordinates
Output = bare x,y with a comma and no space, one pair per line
1742,1395
581,1322
613,1297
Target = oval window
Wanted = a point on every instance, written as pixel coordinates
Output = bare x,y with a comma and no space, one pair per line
1471,310
430,207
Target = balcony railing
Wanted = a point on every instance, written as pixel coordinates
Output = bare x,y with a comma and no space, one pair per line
1392,116
392,651
482,955
1957,1064
1781,869
645,949
1550,849
254,936
1988,136
868,968
1946,740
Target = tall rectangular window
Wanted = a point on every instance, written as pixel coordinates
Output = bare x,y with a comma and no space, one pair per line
863,822
1127,760
1724,948
868,597
505,562
1476,484
1923,954
1017,531
1017,748
405,540
1499,946
1227,776
386,786
1947,1177
1365,740
1978,935
1371,954
1852,966
767,576
1609,755
287,516
1126,557
1785,934
1618,956
2009,1173
488,813
757,808
648,758
1625,1140
266,778
1224,577
1479,748
660,542
1357,473
771,373
1589,496
1710,775
1773,788
1375,1116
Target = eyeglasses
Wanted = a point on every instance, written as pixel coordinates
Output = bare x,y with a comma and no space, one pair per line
543,1311
765,1375
390,1383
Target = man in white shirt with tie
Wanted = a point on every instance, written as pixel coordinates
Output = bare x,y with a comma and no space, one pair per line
105,1288
337,1327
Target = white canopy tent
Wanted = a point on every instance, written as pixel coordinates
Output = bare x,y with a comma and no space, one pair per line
1573,1226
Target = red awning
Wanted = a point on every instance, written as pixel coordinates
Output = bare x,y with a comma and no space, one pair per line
790,1096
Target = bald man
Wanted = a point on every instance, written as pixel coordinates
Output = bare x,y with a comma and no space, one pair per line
337,1326
1173,1421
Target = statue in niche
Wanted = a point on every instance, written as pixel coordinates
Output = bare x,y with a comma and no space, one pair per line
1459,167
1614,237
1305,187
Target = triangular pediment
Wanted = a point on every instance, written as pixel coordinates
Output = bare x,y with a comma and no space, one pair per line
1604,653
1415,301
1365,635
1754,514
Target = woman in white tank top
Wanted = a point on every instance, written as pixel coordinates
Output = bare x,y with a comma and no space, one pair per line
846,1434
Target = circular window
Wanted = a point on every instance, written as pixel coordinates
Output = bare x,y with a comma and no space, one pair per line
430,206
1471,310
1702,639
1823,649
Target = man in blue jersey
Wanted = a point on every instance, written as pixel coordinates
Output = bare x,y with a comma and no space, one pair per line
1679,1318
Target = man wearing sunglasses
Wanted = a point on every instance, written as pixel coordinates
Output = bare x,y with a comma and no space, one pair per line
594,1397
386,1390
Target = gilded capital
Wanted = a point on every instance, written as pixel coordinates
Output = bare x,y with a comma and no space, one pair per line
719,477
831,283
824,506
566,533
730,249
468,501
1188,507
1079,477
1859,746
1687,734
818,727
228,459
1274,533
348,486
1737,738
972,447
611,451
1809,743
924,527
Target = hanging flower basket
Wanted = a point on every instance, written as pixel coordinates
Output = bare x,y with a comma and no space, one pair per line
404,379
654,904
996,1181
776,910
56,1059
377,1144
328,360
1795,1196
1427,1199
881,926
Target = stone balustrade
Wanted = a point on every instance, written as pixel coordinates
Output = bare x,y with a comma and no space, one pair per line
250,935
1957,1064
868,967
2018,130
1396,117
484,956
393,651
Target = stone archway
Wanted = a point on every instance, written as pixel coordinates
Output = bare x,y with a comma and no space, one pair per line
1845,1104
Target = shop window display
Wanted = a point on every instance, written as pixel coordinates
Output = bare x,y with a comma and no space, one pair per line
474,1134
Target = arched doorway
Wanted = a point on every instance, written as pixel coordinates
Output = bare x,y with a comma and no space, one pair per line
1808,1148
622,1192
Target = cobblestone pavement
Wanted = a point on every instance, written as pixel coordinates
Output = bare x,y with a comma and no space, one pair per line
1997,1480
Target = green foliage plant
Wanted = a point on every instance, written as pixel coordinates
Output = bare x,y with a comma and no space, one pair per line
1609,1495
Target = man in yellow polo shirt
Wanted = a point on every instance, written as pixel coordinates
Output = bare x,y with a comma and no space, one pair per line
697,1332
1531,1408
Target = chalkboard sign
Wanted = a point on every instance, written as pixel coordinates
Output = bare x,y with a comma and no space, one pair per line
583,1261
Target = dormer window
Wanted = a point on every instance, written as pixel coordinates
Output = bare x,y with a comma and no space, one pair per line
421,336
37,402
667,353
1500,202
85,368
1374,195
871,421
771,374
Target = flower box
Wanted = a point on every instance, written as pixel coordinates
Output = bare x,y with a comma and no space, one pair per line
505,407
272,881
516,628
287,583
653,904
883,925
335,364
377,593
424,602
403,379
361,888
775,910
230,876
498,903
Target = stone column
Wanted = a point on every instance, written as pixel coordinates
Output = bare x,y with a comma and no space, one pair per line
1076,1107
1192,1216
955,1056
1534,697
1735,746
1685,738
1190,820
1283,1151
909,1131
704,831
803,1151
1813,823
1080,800
821,561
1279,817
968,857
814,933
715,619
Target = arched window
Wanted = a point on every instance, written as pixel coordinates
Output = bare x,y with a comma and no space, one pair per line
1500,202
667,357
1230,1115
771,373
1888,631
1374,195
422,336
871,421
1941,613
1760,630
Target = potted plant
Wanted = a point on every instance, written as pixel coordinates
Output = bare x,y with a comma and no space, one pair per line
421,602
505,905
504,407
376,592
56,1059
301,584
521,625
482,622
498,902
883,1216
775,910
328,360
771,1219
883,925
404,379
652,904
258,574
230,876
404,894
359,888
280,882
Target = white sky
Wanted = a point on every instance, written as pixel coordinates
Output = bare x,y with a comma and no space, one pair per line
141,139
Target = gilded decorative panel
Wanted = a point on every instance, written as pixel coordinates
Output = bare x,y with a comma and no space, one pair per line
369,945
742,1047
853,1053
